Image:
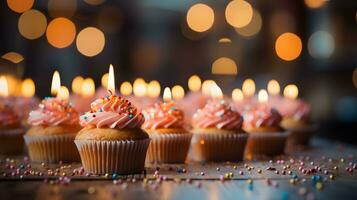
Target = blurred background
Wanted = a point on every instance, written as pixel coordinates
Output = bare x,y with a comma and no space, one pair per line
311,43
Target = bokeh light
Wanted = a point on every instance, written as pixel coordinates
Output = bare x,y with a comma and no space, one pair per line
194,83
224,40
321,44
239,13
77,84
62,8
315,3
206,87
263,96
32,24
20,6
178,92
13,57
63,93
94,2
237,95
90,41
88,87
104,80
253,27
248,87
126,88
291,91
273,87
288,46
28,88
354,77
61,32
224,66
153,89
139,87
200,17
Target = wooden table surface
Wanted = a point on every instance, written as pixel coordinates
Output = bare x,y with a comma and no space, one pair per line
325,171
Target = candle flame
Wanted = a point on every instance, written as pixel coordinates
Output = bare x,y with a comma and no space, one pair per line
28,88
237,95
167,94
178,92
194,83
56,83
153,89
111,80
77,84
273,87
4,88
63,93
216,92
291,91
206,87
248,87
126,89
263,96
88,87
140,87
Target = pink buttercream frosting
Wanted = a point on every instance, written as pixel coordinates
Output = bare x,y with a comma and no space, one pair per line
261,116
52,112
163,115
296,109
217,114
8,116
112,112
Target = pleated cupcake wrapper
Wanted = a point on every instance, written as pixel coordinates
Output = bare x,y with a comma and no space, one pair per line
301,136
11,141
168,148
122,157
218,147
266,144
52,149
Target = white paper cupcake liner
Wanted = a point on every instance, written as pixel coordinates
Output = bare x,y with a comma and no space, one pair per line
218,147
168,147
52,149
122,157
11,141
266,144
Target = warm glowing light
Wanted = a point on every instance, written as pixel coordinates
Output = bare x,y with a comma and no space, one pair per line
291,91
56,83
224,66
153,89
237,95
32,24
248,88
263,96
178,92
321,44
206,87
4,88
104,80
224,40
13,57
139,87
61,32
63,93
167,94
28,88
111,79
194,83
20,6
288,46
239,13
14,85
216,92
354,77
315,3
90,41
88,87
77,84
253,27
273,87
200,17
126,89
94,2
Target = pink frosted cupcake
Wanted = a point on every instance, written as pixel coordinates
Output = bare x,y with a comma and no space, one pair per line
11,130
54,126
112,140
170,141
266,137
217,133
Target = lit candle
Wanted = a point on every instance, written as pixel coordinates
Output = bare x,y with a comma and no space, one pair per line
88,87
167,95
139,87
77,85
63,93
111,80
273,87
237,95
291,91
126,89
4,88
248,88
178,92
28,88
194,83
216,92
153,89
56,83
206,87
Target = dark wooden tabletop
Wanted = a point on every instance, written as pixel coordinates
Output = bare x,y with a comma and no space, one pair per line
324,171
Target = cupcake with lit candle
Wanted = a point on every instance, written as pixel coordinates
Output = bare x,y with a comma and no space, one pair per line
217,131
112,140
296,118
266,137
170,141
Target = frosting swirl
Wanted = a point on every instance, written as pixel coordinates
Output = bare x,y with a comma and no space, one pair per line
296,109
52,112
8,117
163,115
217,114
113,112
261,116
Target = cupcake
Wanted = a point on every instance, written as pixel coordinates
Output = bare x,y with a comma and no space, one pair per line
54,126
112,140
170,141
266,137
11,130
217,133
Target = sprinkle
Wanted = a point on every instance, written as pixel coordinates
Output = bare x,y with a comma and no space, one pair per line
91,190
319,186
